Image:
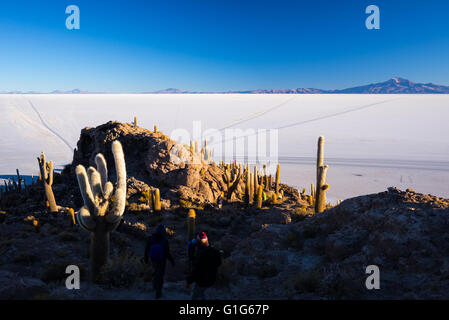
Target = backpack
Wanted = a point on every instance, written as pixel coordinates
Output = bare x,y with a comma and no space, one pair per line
207,263
157,251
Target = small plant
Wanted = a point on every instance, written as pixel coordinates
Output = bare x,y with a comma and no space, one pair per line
300,214
133,207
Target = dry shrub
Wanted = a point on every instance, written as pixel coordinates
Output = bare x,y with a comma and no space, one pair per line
123,271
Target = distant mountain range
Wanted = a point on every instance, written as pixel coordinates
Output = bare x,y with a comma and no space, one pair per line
392,86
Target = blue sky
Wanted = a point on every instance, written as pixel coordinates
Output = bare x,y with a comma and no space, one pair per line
217,45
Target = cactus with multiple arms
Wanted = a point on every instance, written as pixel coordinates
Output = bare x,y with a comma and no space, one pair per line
46,175
232,179
98,215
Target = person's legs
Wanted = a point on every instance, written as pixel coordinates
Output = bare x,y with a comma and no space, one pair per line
158,278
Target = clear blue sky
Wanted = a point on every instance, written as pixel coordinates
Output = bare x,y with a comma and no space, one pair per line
216,45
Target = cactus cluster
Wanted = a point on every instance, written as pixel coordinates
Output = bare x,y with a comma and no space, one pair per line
256,184
102,210
14,185
153,199
200,156
46,176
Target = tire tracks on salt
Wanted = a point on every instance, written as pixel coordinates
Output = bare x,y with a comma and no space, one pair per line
55,133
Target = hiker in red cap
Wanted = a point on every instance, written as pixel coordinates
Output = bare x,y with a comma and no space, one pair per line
204,267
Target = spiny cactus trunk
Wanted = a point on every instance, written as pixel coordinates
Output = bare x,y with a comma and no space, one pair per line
247,187
320,156
191,225
320,201
157,200
278,172
320,175
256,182
251,188
46,174
50,197
99,250
259,197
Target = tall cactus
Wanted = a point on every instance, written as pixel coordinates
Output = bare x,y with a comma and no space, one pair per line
100,215
320,156
251,188
256,181
46,175
259,196
322,187
191,224
319,173
265,178
278,172
157,200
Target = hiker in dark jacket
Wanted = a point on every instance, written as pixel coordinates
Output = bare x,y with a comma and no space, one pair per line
158,251
204,267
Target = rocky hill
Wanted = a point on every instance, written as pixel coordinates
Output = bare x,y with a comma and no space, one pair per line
281,251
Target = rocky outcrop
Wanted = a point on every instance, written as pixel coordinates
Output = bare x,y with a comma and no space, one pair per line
153,160
404,233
